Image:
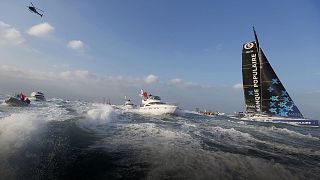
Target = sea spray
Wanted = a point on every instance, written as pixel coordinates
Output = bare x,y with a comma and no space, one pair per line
17,129
98,115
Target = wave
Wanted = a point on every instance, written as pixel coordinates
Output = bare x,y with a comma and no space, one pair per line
274,129
17,129
152,130
99,114
18,125
234,137
292,133
171,163
230,133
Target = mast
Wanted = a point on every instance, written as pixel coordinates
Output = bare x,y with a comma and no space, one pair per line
256,38
261,66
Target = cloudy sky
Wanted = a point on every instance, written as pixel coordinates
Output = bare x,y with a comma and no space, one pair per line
187,52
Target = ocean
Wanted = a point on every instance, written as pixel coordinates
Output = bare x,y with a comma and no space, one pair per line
62,139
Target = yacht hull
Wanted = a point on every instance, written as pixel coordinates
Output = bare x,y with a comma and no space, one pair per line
15,102
158,109
293,121
37,96
37,99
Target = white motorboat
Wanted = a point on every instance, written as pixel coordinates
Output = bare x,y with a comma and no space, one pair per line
37,96
128,104
153,105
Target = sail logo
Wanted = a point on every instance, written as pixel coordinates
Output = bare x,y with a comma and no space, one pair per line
255,78
248,45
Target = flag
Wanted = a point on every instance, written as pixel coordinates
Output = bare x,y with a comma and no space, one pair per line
22,96
144,94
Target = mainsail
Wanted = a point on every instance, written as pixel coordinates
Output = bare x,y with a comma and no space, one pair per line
263,91
251,77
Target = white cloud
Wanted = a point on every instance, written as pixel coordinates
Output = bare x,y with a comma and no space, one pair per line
237,87
9,35
76,44
41,30
176,81
182,84
151,79
80,78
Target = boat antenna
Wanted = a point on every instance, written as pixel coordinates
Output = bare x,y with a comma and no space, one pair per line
256,37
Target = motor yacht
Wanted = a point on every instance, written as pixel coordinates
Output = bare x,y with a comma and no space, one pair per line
128,104
153,105
37,96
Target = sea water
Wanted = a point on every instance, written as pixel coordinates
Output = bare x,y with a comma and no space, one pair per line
61,139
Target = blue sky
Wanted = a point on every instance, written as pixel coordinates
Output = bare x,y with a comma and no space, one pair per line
190,50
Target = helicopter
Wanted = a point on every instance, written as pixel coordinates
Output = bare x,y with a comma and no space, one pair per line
33,9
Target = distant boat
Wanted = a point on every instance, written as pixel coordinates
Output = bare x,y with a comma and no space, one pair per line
211,113
153,105
37,96
18,100
128,104
266,99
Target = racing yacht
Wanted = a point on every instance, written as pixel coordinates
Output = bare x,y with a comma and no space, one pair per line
266,98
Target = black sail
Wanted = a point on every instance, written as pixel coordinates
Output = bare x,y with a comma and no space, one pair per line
275,99
251,78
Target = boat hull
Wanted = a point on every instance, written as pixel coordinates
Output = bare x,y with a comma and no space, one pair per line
15,102
306,122
158,109
293,121
37,99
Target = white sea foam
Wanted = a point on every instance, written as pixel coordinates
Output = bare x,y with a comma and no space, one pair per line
152,136
98,115
17,129
282,131
231,133
293,133
53,113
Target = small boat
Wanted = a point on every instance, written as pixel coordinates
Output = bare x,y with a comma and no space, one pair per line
16,101
208,113
37,96
153,105
128,104
211,113
266,99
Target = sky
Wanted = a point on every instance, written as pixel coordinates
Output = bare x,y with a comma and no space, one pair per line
187,52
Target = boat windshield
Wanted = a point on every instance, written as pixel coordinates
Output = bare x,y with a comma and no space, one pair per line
155,97
156,103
